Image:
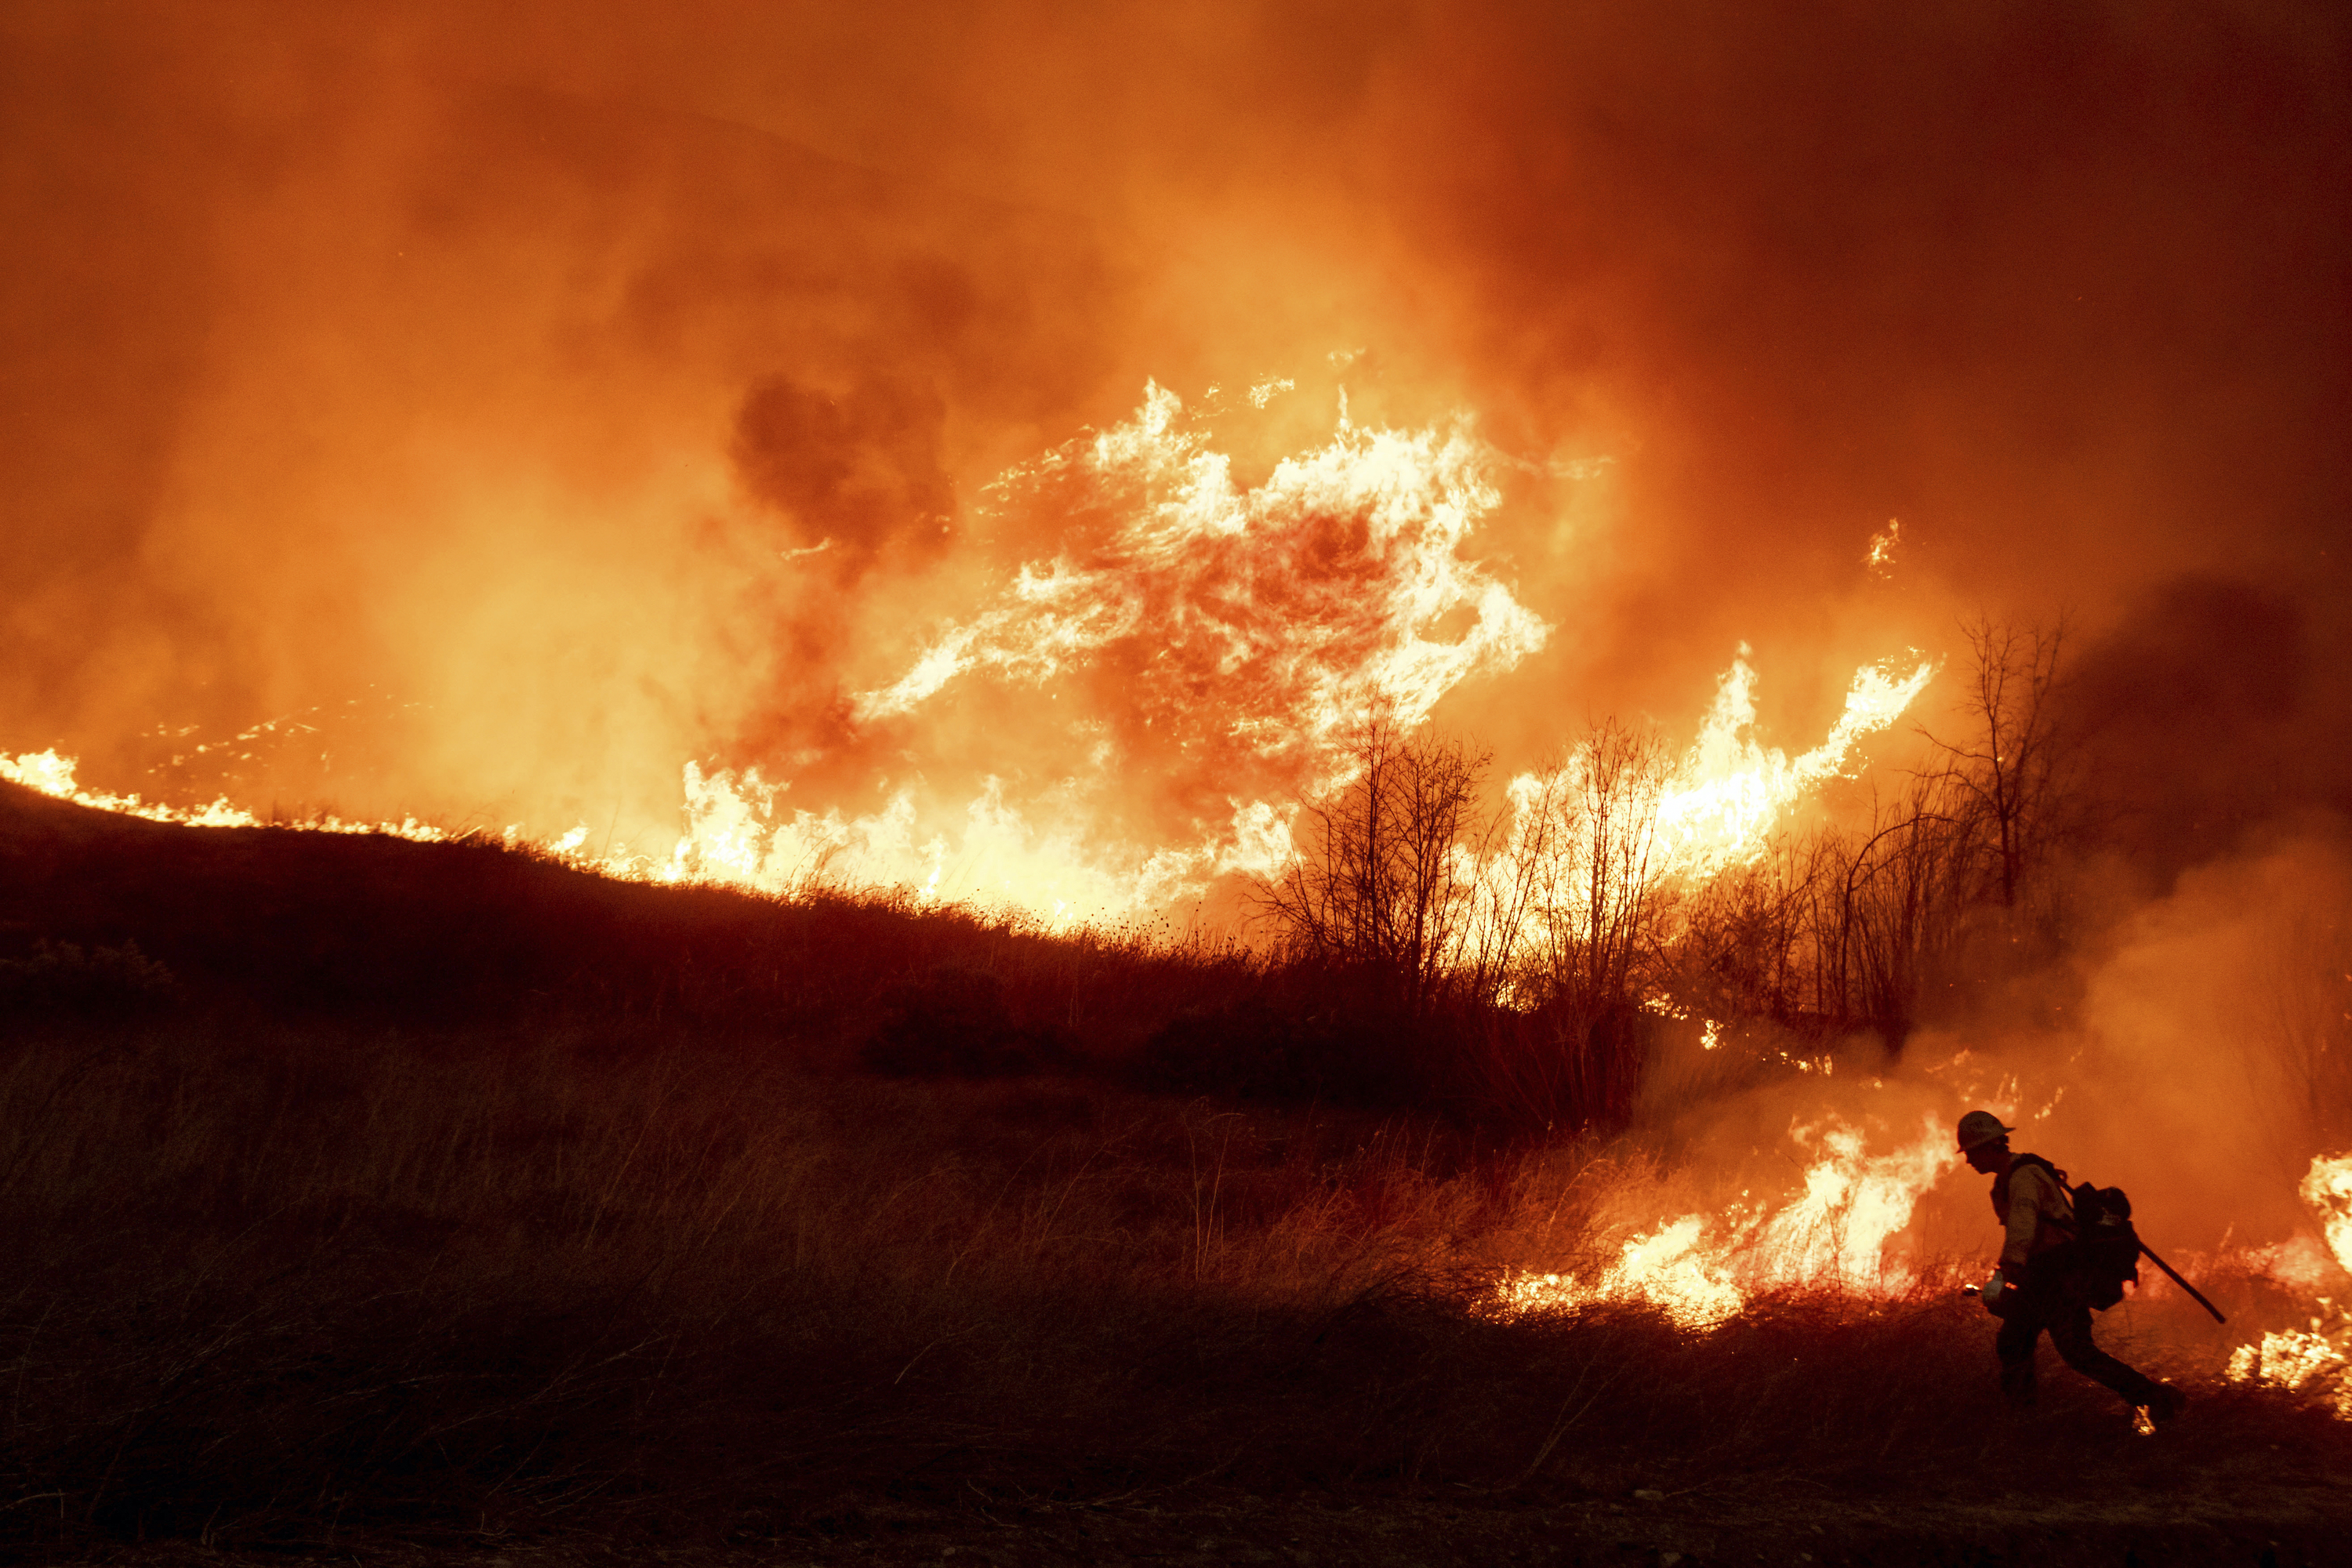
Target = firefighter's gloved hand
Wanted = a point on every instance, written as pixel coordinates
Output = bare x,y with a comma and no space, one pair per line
1993,1288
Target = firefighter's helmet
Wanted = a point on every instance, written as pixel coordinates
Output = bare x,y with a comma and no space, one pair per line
1979,1128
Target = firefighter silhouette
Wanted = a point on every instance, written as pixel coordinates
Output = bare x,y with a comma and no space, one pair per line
2043,1284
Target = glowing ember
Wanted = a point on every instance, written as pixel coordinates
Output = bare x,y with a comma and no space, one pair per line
1702,1270
1881,559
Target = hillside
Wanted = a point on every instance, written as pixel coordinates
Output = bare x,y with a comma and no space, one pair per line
449,1203
342,924
461,937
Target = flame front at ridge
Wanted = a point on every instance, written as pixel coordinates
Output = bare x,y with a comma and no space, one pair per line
1214,647
741,832
53,775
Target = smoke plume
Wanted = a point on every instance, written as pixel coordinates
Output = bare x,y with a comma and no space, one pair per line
520,405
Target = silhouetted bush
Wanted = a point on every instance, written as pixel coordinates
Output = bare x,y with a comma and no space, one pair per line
1309,1035
954,1022
482,947
64,978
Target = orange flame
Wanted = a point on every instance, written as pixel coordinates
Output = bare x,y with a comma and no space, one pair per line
1881,559
1730,790
1305,605
1312,599
1701,1269
1339,588
1713,811
53,775
2328,1189
2316,1360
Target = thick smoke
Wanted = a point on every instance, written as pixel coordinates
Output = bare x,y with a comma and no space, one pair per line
583,393
2214,709
620,387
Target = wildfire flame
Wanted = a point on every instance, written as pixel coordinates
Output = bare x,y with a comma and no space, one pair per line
53,775
1881,559
2316,1360
1305,604
2327,1188
1730,790
1311,599
1302,605
2312,1360
1246,631
1701,1269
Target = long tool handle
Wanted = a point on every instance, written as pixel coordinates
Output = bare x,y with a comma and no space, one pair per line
2147,1252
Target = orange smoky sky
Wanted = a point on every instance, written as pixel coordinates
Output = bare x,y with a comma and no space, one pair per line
593,388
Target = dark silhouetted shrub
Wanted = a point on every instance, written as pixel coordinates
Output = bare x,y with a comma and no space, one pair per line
953,1022
64,978
1330,1042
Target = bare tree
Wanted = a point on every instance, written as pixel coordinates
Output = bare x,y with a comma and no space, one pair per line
1903,891
2303,1018
2017,766
1740,942
1582,862
1512,857
1976,830
1597,890
1388,877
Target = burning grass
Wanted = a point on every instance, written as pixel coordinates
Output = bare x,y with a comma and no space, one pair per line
356,1187
280,1284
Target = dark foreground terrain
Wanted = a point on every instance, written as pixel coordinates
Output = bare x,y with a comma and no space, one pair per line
633,1261
1205,1528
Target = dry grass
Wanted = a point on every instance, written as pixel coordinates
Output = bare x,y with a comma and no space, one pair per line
445,1193
283,1285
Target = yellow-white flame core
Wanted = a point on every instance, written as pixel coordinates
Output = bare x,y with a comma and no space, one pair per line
1730,790
1881,558
2316,1360
1246,578
2308,1360
53,775
2327,1188
1701,1269
1339,588
1336,589
1669,1268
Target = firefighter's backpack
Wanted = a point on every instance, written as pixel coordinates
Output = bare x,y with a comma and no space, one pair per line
2110,1246
2104,1252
